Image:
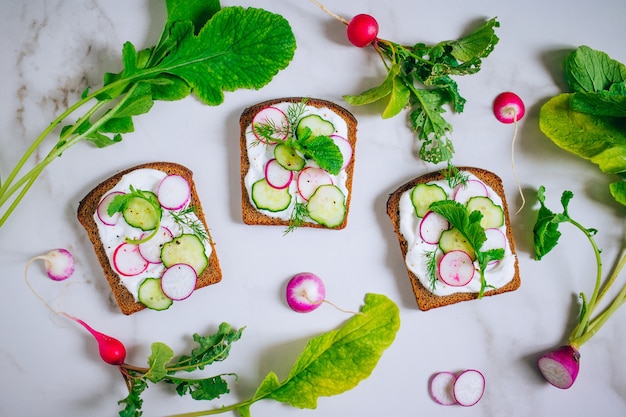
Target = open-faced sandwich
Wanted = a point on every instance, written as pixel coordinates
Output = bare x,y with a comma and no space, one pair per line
297,161
150,235
455,236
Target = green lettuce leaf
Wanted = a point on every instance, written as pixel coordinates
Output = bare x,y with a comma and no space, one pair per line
588,70
336,361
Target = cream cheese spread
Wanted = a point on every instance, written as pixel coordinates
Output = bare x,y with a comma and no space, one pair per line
497,274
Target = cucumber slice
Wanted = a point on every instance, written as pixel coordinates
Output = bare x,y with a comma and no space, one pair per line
493,215
266,197
185,249
452,240
151,295
287,157
423,195
318,126
327,206
141,213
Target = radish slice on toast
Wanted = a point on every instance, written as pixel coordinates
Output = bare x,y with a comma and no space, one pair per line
128,261
310,178
174,192
277,176
344,147
150,250
456,268
431,227
179,281
103,206
471,188
274,117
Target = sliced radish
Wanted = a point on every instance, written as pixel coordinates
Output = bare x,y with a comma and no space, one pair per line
456,268
560,367
469,387
274,117
179,281
150,250
431,227
344,147
496,239
469,189
104,205
277,176
128,261
310,178
174,192
442,388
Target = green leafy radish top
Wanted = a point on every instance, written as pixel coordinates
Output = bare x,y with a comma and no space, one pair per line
298,154
456,235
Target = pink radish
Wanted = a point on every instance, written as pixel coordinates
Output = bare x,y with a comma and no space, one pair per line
128,261
305,292
310,178
345,148
469,189
456,268
469,387
104,205
150,250
560,367
112,351
273,117
179,281
277,176
442,388
362,30
174,192
59,264
496,239
431,226
508,107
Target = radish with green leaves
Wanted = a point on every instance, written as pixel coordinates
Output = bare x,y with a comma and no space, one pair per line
560,367
508,108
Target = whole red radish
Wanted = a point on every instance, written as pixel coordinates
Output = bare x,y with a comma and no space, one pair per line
362,30
508,107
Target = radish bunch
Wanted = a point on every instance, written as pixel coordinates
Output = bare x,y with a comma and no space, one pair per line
465,388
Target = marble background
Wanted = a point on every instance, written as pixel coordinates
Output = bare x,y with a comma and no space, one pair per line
51,50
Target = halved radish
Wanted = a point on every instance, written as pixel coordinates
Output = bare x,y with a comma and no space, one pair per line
179,281
456,268
274,117
150,250
344,147
310,178
469,189
128,261
104,205
442,388
431,227
174,192
277,176
469,387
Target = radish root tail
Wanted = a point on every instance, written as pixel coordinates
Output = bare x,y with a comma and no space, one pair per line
327,11
519,187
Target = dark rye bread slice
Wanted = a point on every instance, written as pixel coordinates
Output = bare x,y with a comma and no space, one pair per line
88,206
426,300
249,212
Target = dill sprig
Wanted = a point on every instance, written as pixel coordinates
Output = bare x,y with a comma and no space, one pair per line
185,217
299,215
454,177
431,268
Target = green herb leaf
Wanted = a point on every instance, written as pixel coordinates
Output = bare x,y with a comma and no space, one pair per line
338,360
212,348
323,150
602,103
201,389
588,70
546,230
375,93
157,361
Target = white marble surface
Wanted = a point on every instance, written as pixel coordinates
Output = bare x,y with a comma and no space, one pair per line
51,50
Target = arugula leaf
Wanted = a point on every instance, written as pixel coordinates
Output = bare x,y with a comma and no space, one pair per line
336,361
419,77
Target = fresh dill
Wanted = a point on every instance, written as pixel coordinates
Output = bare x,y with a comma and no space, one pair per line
454,177
186,217
431,268
299,215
